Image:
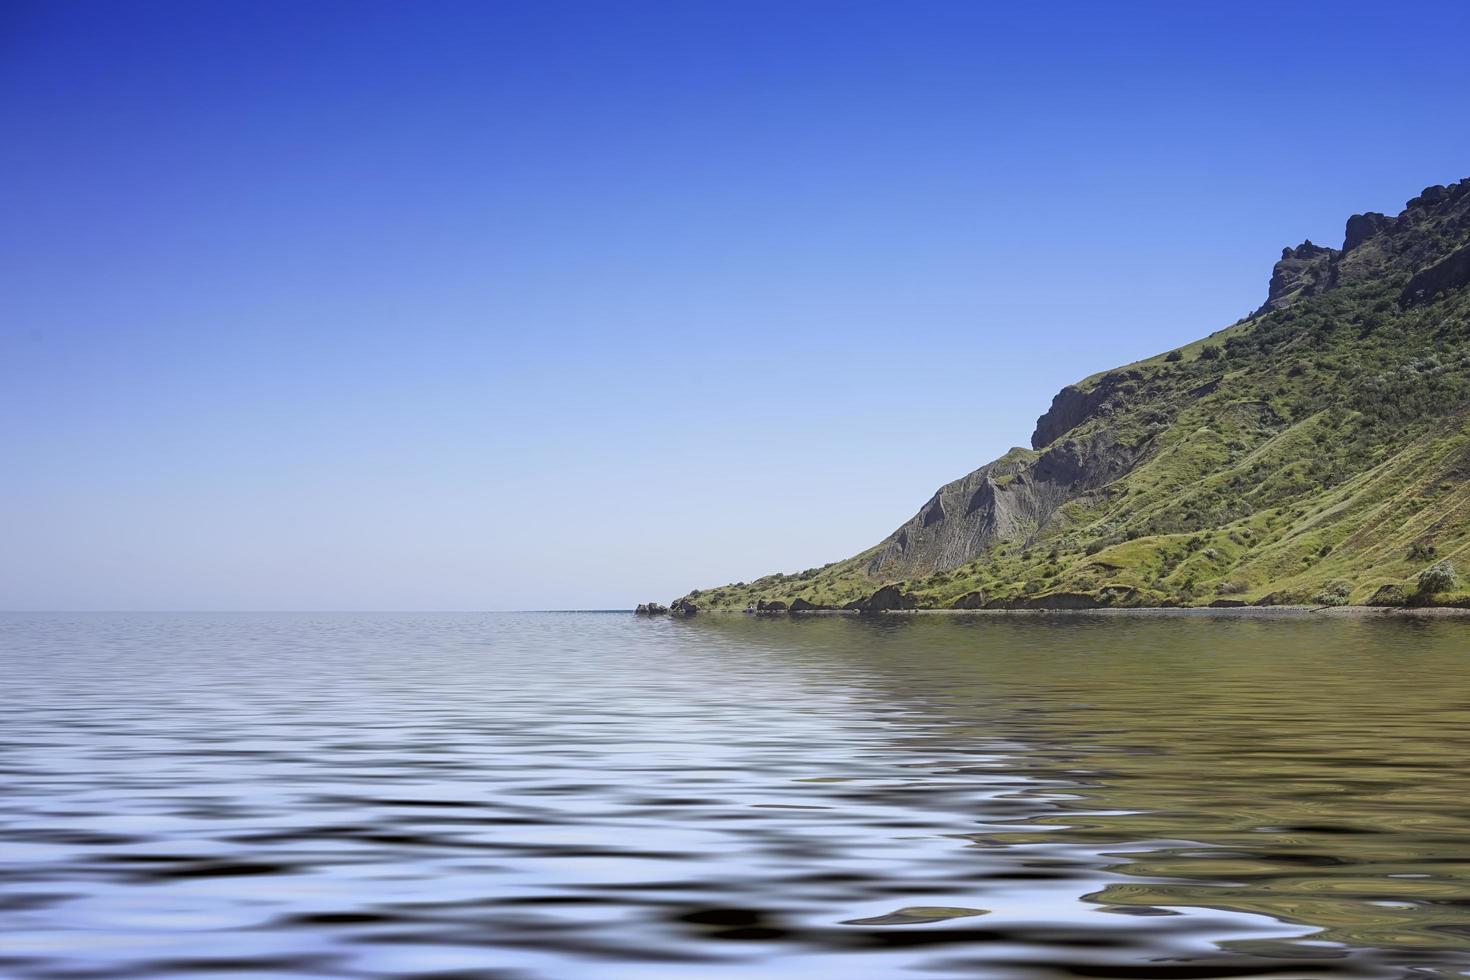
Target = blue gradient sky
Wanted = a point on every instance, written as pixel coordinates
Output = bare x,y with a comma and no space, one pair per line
521,305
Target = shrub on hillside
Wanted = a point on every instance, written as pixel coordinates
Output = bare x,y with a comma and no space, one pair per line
1442,576
1210,352
1422,551
1173,355
1336,594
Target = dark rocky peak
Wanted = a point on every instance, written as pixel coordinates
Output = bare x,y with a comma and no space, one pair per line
1430,228
1430,196
1450,272
1361,227
1302,271
1070,407
1074,405
1306,252
1445,209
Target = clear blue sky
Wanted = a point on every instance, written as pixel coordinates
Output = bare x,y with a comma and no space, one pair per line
373,305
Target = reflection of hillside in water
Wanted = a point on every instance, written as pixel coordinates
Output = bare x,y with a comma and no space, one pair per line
539,796
1310,772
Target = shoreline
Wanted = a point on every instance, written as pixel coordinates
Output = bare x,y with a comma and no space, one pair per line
1210,612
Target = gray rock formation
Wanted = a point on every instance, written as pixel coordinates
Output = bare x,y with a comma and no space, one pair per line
1451,272
1361,227
1375,245
1010,499
887,599
1302,271
1074,405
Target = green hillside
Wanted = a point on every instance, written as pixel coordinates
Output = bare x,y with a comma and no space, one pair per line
1315,452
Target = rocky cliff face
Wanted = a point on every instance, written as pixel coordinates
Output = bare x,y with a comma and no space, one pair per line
1012,499
1108,439
1451,272
1074,405
1017,497
1375,246
1301,272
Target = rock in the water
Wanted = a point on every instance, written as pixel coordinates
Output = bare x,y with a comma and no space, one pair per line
774,606
650,609
801,605
684,608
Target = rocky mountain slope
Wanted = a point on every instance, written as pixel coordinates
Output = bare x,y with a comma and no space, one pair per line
1316,451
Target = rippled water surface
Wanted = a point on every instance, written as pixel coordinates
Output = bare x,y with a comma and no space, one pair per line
593,795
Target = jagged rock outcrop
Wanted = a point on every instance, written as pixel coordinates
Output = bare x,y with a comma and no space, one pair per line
1377,246
1361,227
1451,272
1070,407
1013,498
1301,272
651,609
1074,405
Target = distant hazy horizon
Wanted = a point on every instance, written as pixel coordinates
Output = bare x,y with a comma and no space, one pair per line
471,306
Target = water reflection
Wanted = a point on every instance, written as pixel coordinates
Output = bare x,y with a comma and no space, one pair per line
584,795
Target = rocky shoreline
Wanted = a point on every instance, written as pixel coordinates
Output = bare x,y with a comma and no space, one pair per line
890,599
1210,612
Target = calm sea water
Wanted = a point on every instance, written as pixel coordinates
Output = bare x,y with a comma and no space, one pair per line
592,795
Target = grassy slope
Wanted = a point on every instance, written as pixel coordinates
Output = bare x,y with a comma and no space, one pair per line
1333,440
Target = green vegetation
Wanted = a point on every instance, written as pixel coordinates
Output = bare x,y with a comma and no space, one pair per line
1439,577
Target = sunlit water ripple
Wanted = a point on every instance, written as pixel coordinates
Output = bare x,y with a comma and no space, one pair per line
593,795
